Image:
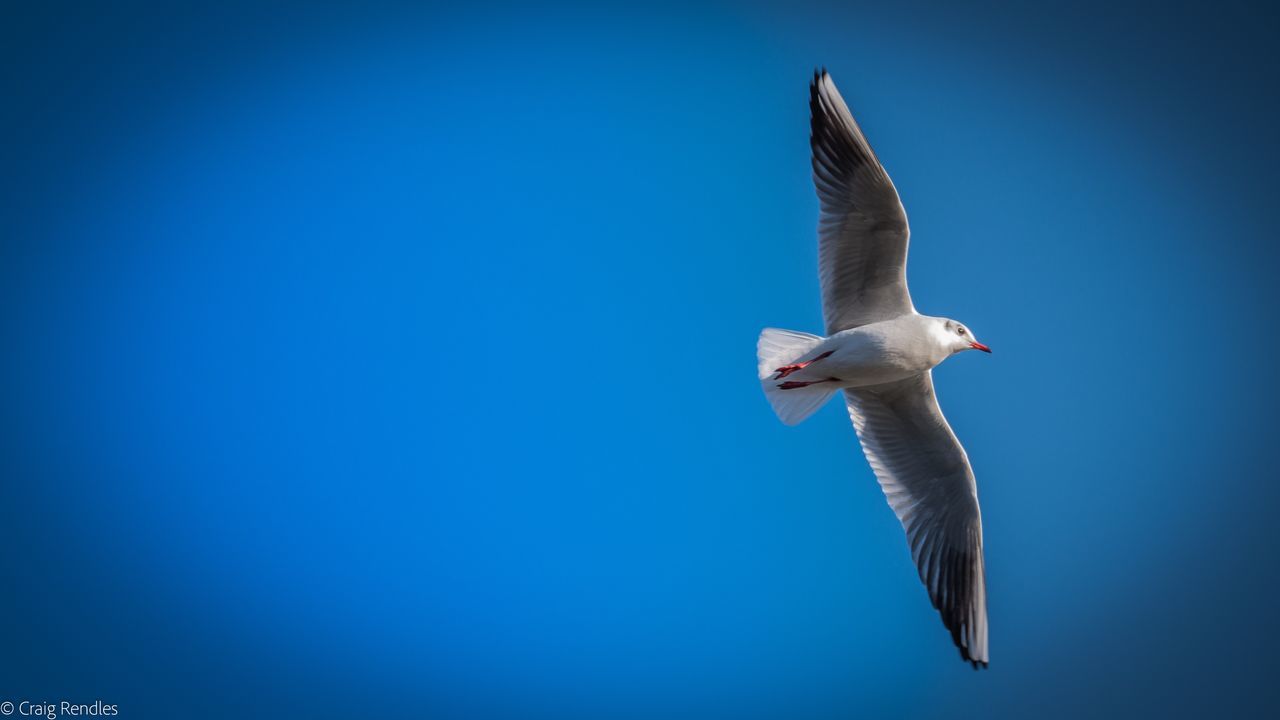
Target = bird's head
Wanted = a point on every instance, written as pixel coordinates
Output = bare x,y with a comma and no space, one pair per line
958,337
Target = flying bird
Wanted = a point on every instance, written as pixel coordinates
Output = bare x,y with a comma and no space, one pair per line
881,353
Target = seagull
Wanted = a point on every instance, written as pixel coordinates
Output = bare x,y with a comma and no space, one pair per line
881,353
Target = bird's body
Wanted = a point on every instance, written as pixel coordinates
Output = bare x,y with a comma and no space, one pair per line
877,353
880,352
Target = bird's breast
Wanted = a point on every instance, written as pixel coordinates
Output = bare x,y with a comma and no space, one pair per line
868,358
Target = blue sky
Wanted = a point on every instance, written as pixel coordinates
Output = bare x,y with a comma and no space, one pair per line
397,359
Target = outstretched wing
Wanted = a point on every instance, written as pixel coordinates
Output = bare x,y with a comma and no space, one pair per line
862,229
926,477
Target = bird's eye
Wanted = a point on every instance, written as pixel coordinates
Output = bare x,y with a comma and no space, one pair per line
961,331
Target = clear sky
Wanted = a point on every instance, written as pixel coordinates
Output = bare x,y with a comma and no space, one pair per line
399,361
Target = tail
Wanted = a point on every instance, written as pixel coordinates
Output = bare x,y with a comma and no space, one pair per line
782,347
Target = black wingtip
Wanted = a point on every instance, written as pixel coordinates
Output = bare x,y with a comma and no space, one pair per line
816,92
964,655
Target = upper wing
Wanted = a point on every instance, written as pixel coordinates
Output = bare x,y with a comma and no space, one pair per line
862,229
926,477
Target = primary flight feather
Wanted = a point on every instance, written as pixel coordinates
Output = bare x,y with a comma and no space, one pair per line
881,352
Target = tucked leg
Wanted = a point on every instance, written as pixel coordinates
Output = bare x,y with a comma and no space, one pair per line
795,384
786,370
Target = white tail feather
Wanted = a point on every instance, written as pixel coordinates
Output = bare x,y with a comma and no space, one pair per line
783,347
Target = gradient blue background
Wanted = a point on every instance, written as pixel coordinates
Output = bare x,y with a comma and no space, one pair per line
397,361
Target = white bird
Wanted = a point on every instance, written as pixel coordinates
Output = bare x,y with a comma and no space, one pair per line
881,352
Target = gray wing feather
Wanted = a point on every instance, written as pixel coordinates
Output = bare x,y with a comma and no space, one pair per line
926,477
862,228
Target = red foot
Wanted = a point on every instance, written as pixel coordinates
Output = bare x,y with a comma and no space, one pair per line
786,370
795,384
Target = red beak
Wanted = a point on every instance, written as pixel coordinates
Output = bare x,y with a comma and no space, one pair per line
979,346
